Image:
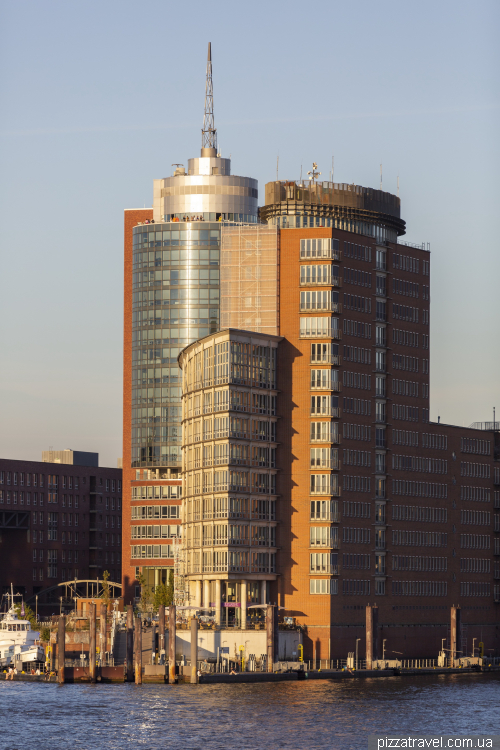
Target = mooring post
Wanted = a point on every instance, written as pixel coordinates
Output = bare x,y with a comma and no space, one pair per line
194,650
369,636
455,634
161,632
270,637
92,642
103,625
172,678
138,651
130,643
61,648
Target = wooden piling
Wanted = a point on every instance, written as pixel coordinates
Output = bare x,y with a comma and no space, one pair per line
103,625
270,637
61,648
130,643
92,643
194,650
172,677
371,635
138,651
161,631
455,634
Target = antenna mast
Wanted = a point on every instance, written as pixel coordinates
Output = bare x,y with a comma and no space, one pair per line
381,176
209,133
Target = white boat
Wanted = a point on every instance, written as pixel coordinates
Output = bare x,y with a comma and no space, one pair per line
18,642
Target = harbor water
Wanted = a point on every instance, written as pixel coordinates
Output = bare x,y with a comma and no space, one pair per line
297,716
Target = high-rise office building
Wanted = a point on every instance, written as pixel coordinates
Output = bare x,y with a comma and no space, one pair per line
172,297
317,483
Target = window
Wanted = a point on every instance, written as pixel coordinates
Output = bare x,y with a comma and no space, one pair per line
325,327
420,514
324,484
325,353
358,278
419,489
355,535
380,285
319,248
358,329
324,562
324,536
354,587
323,586
357,303
320,300
358,252
322,274
357,354
419,588
405,263
356,432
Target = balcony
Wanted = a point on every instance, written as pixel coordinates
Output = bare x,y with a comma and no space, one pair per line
327,359
332,570
321,307
327,411
321,333
325,463
331,437
332,385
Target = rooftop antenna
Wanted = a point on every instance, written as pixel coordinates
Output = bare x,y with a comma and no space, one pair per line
277,166
301,174
381,176
398,186
494,420
333,166
209,133
313,171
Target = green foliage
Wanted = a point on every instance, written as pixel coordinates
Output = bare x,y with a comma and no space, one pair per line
106,589
28,615
146,603
45,634
164,593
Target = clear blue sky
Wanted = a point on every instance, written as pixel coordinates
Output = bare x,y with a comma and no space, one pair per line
99,98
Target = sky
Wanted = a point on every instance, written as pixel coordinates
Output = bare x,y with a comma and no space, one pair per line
100,98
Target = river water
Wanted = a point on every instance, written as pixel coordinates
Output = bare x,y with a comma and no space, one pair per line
297,716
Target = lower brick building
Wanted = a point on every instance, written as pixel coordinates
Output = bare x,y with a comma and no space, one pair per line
58,522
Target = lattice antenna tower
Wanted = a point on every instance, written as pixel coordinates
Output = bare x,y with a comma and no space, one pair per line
209,133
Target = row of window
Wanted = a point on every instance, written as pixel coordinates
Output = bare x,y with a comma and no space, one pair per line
468,469
404,362
14,498
358,329
405,387
419,513
404,338
405,413
419,563
419,489
406,288
357,303
419,463
356,380
356,457
475,517
477,494
475,445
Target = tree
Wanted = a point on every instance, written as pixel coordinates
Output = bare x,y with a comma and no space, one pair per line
164,593
106,589
28,615
146,603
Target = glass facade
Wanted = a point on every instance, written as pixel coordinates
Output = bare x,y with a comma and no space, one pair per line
175,302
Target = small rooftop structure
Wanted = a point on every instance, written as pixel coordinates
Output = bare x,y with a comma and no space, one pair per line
68,456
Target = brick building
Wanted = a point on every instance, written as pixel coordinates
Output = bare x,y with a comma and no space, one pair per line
59,521
373,503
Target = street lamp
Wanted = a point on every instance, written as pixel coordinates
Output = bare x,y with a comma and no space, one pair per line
36,607
357,641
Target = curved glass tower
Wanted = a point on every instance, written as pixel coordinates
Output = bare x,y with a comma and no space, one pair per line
173,280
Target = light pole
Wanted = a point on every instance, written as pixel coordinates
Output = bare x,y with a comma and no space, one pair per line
357,641
36,607
383,648
473,649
